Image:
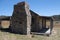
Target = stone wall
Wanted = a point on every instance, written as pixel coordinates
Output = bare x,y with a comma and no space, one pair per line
21,19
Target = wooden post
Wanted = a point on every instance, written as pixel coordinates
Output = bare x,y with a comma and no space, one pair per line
43,23
51,25
0,24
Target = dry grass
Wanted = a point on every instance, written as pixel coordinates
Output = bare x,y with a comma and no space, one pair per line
57,24
11,36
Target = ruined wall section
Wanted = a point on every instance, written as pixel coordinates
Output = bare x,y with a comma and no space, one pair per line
35,26
21,19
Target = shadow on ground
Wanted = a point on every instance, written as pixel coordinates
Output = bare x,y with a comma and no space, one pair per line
5,30
8,30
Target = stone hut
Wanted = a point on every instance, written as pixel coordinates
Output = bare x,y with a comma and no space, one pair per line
25,21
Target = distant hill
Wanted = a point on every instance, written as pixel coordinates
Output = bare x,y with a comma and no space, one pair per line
5,17
56,17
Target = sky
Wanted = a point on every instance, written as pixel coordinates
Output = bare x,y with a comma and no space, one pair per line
41,7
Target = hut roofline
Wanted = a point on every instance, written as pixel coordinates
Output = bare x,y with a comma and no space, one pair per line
39,15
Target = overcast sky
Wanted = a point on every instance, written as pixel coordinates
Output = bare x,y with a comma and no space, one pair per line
41,7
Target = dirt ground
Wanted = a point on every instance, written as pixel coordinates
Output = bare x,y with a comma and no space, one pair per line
5,35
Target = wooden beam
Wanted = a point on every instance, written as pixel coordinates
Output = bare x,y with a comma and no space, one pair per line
51,25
